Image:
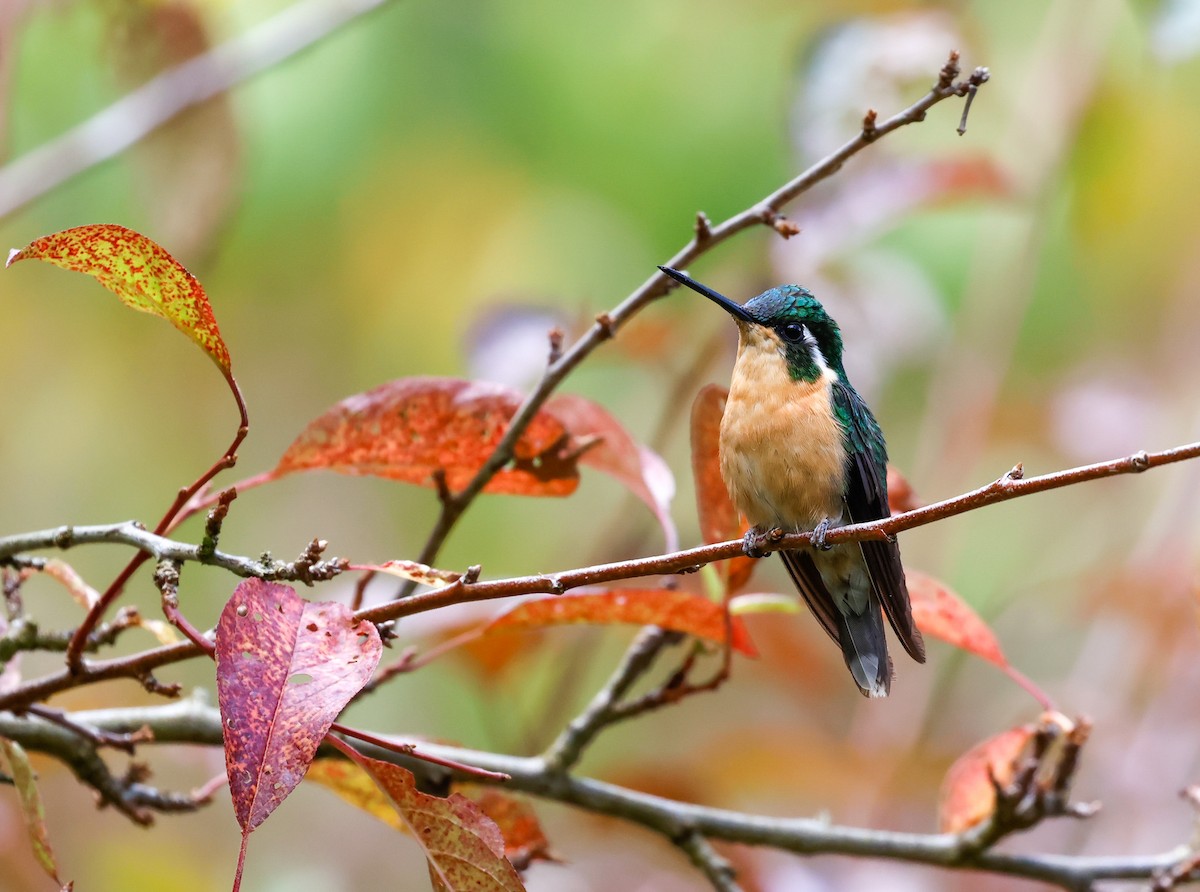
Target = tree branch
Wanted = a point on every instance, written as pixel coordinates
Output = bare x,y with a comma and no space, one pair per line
689,826
133,117
1012,485
767,211
565,752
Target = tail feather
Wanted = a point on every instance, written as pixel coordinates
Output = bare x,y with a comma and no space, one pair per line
864,647
861,636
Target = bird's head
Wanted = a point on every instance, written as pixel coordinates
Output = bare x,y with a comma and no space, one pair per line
786,319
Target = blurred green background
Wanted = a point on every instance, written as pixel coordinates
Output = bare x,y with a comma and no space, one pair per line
429,188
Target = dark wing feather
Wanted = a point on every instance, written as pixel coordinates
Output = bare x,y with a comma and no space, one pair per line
866,500
861,637
808,581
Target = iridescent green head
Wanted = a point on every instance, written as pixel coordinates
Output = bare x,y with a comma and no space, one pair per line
807,337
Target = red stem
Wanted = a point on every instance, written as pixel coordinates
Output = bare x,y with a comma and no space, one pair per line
227,460
409,749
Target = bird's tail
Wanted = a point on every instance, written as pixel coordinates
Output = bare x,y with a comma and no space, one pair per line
864,647
860,635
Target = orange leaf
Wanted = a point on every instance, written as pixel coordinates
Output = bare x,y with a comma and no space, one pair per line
464,846
285,669
616,453
941,613
138,271
968,796
679,611
719,520
352,783
901,496
524,840
64,574
413,427
413,572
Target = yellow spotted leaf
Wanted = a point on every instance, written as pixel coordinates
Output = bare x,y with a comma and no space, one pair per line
138,271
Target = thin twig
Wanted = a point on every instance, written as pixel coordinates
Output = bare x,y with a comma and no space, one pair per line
406,748
767,211
124,742
1012,485
717,870
227,460
564,753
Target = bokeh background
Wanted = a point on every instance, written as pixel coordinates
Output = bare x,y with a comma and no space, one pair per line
428,189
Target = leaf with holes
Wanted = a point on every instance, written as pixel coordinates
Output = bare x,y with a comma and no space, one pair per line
138,271
679,611
464,846
414,428
719,520
968,794
285,669
16,762
616,453
524,839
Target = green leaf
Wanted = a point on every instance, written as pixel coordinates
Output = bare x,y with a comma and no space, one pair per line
31,805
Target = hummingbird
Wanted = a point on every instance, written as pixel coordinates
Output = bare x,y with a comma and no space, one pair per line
800,451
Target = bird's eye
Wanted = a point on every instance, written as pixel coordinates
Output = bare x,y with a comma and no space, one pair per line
793,332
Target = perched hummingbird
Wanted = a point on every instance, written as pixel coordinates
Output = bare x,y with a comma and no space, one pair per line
800,450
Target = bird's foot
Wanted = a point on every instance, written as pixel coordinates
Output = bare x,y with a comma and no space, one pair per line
756,538
818,535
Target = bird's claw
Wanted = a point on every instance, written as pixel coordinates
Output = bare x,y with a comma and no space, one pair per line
756,538
818,536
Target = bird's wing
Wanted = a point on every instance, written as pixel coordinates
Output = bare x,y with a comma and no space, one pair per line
808,581
860,636
866,500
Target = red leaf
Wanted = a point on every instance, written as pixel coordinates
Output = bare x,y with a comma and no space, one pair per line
941,613
680,611
140,272
616,453
465,848
719,520
968,796
285,669
410,428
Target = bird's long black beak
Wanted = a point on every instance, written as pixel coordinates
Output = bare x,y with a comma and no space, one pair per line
736,310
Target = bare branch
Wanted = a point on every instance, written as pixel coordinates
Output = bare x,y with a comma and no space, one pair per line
718,871
1012,485
689,826
705,237
136,115
565,752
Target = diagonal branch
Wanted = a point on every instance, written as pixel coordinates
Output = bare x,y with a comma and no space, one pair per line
565,752
765,212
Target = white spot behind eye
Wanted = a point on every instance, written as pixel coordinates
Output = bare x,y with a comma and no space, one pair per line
814,350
